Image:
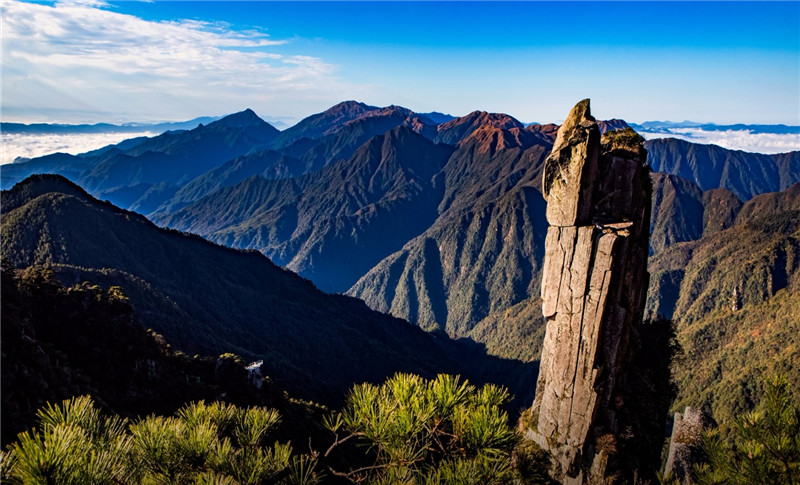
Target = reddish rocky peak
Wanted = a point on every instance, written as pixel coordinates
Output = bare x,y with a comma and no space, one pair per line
490,139
456,130
482,118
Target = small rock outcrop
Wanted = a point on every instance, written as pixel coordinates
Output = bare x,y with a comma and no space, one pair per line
686,444
593,290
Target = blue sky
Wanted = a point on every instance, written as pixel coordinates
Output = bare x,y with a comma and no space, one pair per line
137,61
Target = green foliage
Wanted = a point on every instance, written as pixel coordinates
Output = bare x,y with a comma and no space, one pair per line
62,342
443,430
727,353
766,446
203,443
624,140
74,444
407,430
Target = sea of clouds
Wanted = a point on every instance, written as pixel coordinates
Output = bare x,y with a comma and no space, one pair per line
26,145
20,146
745,140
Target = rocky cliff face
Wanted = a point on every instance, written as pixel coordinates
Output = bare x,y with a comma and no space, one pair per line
686,444
593,290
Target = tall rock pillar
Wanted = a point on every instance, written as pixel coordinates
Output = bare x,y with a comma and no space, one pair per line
593,290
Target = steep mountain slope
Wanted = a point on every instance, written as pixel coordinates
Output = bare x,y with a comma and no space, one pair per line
60,342
210,299
682,212
153,197
746,263
677,212
268,164
341,141
177,157
484,252
333,225
734,296
464,268
711,167
720,208
771,203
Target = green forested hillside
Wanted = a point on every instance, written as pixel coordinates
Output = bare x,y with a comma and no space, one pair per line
210,299
747,263
734,296
677,211
729,354
60,342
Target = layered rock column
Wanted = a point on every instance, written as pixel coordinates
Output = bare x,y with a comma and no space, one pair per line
593,290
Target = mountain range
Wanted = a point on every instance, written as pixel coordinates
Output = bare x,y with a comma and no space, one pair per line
435,220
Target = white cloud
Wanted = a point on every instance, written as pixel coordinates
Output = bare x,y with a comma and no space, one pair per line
80,57
734,139
29,145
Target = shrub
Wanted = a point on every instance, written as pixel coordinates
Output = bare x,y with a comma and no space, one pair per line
203,443
443,430
766,443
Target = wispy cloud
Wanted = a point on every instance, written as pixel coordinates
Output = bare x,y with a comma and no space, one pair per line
734,139
81,57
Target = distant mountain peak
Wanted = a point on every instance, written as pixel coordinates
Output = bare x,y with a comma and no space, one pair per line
349,107
437,118
387,111
458,129
613,124
242,119
47,182
484,118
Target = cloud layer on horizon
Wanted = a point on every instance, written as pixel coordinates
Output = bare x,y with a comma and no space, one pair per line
744,140
25,145
80,58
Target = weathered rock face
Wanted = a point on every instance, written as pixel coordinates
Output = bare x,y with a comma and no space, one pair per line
593,289
686,444
570,170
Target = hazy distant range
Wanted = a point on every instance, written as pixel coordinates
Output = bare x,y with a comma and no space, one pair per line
23,141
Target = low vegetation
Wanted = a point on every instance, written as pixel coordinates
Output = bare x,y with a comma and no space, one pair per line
766,443
203,443
443,430
407,430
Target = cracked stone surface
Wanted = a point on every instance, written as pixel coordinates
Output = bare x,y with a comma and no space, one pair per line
593,290
686,444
